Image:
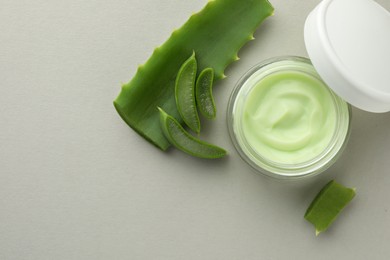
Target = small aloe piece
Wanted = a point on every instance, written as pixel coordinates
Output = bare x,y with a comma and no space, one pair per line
185,94
215,34
204,93
185,142
327,205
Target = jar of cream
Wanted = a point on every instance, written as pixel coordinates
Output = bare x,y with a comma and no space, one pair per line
284,121
287,117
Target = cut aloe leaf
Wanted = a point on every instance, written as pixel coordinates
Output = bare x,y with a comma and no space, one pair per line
215,34
185,94
327,205
204,94
185,142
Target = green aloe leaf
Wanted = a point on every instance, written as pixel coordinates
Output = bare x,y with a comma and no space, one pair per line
185,94
204,94
215,34
185,142
327,205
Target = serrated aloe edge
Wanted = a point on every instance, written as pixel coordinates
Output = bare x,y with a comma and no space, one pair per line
216,34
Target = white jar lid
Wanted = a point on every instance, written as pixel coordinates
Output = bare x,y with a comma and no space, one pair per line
348,42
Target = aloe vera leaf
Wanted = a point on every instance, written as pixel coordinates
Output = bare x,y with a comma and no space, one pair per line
185,142
327,205
216,34
185,94
204,93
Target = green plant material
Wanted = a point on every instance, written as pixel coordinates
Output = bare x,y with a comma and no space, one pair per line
327,205
204,93
185,94
185,142
215,34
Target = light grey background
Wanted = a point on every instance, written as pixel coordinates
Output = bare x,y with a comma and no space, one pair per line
77,183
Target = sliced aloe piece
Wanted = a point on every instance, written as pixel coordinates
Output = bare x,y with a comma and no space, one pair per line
185,142
204,93
215,34
327,205
185,94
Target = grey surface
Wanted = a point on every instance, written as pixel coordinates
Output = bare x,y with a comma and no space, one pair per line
77,183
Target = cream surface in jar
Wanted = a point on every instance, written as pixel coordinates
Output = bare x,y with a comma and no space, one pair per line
289,117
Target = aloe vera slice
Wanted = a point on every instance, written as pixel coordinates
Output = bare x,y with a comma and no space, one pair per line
215,34
185,142
327,205
204,93
185,94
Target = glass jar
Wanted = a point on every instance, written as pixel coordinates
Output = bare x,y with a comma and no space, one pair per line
282,133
